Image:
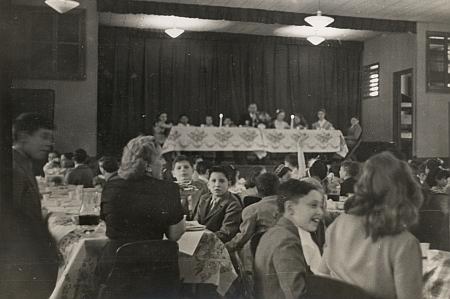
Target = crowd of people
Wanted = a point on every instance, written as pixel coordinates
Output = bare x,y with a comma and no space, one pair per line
276,217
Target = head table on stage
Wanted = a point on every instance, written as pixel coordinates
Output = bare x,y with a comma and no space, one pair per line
254,139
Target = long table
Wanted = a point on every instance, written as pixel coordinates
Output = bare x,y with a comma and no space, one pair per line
255,139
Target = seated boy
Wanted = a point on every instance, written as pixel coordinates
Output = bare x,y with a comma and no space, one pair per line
280,266
190,190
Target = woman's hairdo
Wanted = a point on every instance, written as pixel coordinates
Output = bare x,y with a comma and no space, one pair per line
137,155
387,195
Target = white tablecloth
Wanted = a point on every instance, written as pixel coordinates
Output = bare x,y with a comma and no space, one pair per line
253,139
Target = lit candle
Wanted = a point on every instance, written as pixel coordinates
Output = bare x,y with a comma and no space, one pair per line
292,121
220,121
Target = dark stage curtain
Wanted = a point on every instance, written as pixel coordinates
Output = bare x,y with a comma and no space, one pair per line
142,73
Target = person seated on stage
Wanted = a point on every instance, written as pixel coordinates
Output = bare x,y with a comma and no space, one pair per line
220,211
291,161
81,174
208,122
183,121
264,120
279,122
108,167
161,128
139,205
353,133
322,123
250,119
283,172
370,245
348,173
300,122
202,168
280,264
260,216
53,166
190,190
228,123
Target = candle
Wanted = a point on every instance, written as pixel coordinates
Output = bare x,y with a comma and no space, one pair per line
292,121
220,121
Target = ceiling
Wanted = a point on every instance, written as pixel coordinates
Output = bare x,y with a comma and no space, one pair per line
405,10
437,11
156,22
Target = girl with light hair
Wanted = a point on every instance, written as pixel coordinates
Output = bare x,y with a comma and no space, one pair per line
381,256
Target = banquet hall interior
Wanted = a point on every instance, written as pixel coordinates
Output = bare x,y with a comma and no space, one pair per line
188,140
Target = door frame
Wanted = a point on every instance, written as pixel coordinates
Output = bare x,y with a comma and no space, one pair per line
397,99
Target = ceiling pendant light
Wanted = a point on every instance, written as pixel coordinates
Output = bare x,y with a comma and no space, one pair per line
62,6
174,32
319,20
315,39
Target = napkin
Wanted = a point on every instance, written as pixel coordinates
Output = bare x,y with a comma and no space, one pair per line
189,241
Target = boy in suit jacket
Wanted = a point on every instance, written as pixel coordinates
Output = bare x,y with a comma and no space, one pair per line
220,211
29,257
280,266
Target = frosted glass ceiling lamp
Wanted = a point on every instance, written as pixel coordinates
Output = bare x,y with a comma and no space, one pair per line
315,40
62,6
319,20
174,32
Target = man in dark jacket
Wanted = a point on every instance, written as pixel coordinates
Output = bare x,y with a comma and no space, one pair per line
29,259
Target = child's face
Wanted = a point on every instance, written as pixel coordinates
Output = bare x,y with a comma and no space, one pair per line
307,211
182,171
209,120
218,184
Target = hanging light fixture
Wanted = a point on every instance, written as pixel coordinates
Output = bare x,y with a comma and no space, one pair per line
315,39
174,32
318,20
62,6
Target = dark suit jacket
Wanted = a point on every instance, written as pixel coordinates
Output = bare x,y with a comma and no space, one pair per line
223,219
347,186
29,257
246,116
280,266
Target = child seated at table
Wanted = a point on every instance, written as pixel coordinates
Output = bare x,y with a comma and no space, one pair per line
370,246
280,265
190,190
220,211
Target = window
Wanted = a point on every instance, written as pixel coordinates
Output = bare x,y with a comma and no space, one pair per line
438,61
49,45
371,81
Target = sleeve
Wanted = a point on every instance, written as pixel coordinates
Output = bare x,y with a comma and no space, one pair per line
231,220
18,188
323,267
408,270
247,229
106,203
290,268
175,208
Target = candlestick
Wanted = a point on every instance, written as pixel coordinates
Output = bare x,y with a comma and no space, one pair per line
292,121
220,119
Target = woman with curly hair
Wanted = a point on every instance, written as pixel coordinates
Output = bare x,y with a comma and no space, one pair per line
139,205
370,246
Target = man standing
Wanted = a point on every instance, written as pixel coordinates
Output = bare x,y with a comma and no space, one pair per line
29,258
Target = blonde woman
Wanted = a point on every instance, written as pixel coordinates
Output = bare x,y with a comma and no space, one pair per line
139,205
370,245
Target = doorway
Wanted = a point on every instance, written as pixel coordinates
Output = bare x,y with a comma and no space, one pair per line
404,112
